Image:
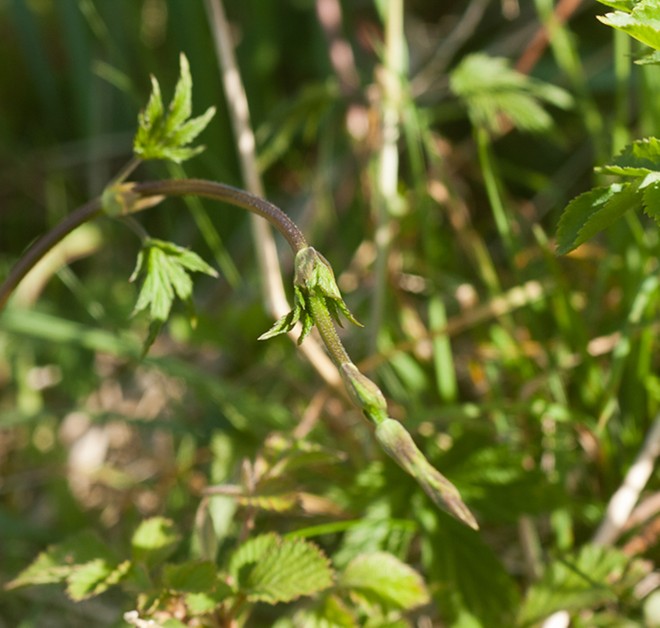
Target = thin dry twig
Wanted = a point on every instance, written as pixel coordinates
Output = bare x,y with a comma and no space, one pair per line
623,501
274,294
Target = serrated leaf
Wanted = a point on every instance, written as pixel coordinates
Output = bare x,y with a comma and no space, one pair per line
595,576
190,577
470,581
594,211
494,93
181,105
95,577
651,197
382,579
271,569
60,560
155,540
636,160
621,5
166,267
641,23
651,58
166,136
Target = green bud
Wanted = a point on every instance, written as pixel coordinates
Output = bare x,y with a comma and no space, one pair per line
399,445
314,275
364,393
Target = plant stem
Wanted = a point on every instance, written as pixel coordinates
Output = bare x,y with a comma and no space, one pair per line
175,187
328,331
235,196
81,215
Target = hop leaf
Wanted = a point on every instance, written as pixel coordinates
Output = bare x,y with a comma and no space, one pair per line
494,93
167,269
165,135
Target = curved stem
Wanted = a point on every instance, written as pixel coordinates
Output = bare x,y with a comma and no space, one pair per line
172,187
221,192
81,215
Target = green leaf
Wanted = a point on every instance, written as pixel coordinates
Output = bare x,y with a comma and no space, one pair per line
330,613
642,22
166,268
270,569
166,136
471,585
59,561
381,578
95,577
595,576
621,5
651,196
594,211
204,602
190,577
495,94
635,160
154,541
651,58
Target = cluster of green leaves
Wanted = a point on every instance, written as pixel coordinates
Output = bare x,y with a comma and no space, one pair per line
266,568
519,391
165,135
497,95
638,163
600,207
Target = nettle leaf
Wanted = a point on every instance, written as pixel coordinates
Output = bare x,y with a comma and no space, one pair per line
641,21
271,569
636,160
166,269
594,211
597,575
154,541
382,579
651,196
495,95
166,135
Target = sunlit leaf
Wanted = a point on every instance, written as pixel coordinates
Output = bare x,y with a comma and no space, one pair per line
382,579
155,540
496,95
163,135
594,211
95,577
641,21
594,576
271,569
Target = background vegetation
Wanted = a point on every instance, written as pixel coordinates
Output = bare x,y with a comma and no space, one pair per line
529,380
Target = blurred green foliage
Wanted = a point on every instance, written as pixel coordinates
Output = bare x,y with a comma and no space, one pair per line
530,381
